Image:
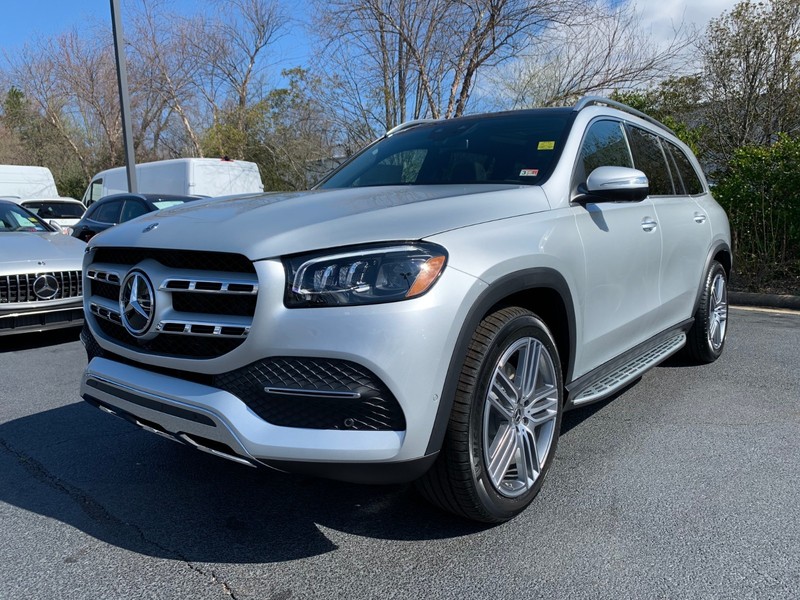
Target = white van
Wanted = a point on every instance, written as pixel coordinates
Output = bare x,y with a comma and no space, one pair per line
19,181
182,176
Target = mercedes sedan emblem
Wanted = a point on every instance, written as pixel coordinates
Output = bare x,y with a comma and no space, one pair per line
45,286
136,303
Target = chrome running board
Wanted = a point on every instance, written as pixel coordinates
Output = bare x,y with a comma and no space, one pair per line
627,372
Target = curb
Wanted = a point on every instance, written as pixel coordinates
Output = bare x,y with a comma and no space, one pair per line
764,300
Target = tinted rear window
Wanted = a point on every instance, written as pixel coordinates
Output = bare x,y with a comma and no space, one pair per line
691,182
514,149
56,210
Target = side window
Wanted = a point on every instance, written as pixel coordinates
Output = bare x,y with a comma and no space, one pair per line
691,182
132,209
96,190
108,212
603,146
649,157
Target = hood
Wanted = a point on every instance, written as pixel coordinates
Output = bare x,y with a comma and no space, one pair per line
49,251
271,225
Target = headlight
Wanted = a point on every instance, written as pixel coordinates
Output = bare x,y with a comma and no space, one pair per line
363,276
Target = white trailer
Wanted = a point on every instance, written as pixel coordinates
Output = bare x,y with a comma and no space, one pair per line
20,181
184,176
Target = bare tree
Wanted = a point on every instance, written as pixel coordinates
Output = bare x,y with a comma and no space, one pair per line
405,58
604,50
72,82
230,47
170,67
752,73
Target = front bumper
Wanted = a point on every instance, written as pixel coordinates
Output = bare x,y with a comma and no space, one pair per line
217,422
407,346
41,318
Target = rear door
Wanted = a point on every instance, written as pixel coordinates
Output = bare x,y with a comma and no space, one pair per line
684,227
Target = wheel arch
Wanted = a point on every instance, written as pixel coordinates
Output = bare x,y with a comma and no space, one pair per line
543,291
720,252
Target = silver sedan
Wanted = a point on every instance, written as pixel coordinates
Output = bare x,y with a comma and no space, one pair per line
40,274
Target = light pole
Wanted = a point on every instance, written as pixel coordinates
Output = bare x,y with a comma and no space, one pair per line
124,100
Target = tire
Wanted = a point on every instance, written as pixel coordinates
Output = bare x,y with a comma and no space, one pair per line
706,339
504,426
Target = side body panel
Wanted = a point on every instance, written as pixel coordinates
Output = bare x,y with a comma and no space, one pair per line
685,234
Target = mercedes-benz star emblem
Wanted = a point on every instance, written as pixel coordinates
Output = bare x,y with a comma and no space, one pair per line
136,303
45,286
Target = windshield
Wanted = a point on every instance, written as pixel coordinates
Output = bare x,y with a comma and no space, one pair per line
514,148
56,210
16,218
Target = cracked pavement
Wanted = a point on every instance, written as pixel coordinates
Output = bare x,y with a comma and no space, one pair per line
683,486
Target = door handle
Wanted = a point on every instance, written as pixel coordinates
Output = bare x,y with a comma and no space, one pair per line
699,218
648,224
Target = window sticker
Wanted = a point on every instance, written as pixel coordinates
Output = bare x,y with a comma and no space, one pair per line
529,173
546,146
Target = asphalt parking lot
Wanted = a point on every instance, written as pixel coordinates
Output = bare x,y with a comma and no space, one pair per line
686,485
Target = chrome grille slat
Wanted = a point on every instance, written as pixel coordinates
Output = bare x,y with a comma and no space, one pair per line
196,285
104,275
175,327
105,313
18,288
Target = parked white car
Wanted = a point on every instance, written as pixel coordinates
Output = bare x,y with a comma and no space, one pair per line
61,213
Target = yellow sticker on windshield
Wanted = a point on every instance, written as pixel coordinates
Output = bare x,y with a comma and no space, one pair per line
546,146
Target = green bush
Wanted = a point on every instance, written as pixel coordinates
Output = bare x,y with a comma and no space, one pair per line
760,190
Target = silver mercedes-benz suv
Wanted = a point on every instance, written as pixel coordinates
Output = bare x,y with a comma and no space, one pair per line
425,313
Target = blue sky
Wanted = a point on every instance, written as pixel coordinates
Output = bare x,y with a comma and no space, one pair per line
24,21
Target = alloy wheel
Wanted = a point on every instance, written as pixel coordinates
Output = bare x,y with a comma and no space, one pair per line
519,417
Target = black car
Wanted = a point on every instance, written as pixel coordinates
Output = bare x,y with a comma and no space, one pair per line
118,208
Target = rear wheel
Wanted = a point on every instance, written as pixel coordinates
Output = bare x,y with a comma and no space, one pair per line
504,427
706,338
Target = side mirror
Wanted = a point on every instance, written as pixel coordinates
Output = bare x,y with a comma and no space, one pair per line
615,184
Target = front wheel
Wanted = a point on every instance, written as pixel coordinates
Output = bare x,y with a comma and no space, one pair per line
706,338
504,427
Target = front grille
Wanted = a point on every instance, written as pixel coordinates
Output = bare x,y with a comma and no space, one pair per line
215,304
105,289
177,259
93,349
177,345
315,393
208,313
19,288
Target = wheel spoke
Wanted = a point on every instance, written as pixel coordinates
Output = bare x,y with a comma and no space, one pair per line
713,329
502,452
527,376
503,394
719,290
544,408
528,460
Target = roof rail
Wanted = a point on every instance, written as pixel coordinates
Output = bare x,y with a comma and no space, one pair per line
600,101
408,125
